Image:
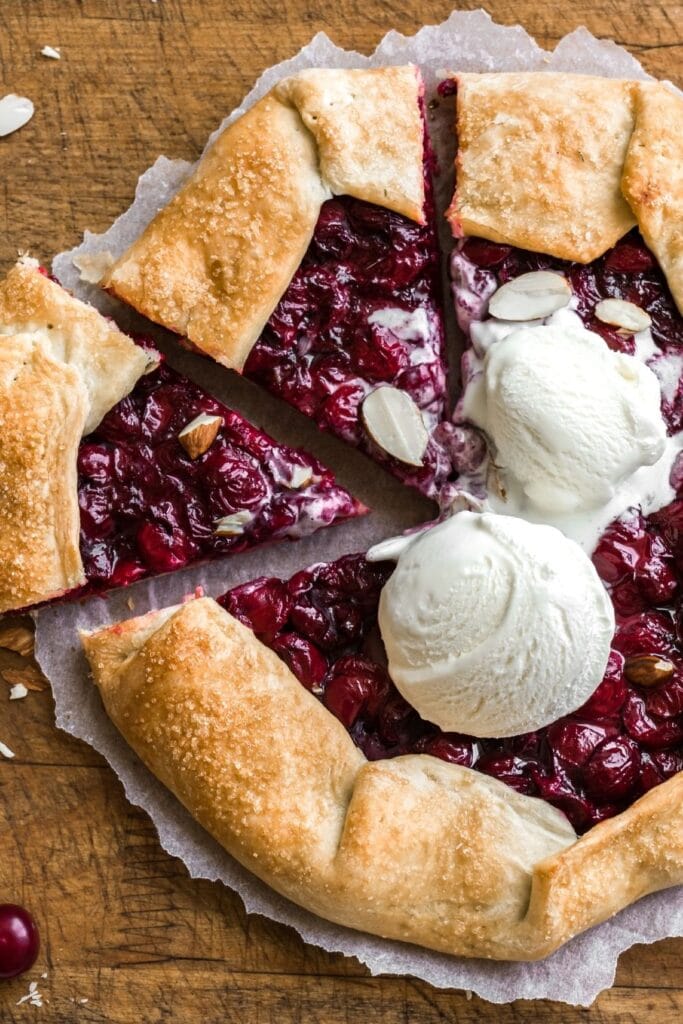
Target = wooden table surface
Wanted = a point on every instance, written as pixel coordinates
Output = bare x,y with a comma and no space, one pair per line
127,937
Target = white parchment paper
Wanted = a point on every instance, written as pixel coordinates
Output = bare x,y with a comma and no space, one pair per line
579,971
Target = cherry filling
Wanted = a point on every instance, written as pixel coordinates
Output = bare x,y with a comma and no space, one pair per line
328,343
147,507
626,739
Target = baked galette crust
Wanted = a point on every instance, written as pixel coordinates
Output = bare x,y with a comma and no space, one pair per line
39,515
62,367
540,159
214,263
653,178
368,131
567,164
108,362
410,848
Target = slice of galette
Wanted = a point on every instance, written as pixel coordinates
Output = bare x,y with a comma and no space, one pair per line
302,252
453,844
572,405
574,336
114,467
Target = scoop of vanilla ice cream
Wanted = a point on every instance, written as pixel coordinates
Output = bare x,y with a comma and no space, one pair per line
569,419
493,626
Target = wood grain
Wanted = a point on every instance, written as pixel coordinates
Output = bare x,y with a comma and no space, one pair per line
122,925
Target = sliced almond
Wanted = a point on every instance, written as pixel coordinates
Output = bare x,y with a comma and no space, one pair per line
300,476
31,677
233,525
494,481
198,435
625,315
395,423
531,296
17,638
15,112
648,670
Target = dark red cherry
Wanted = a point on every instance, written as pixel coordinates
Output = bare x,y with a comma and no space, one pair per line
650,633
574,740
485,253
96,462
659,765
19,940
449,747
558,789
647,729
340,412
157,414
610,694
262,604
396,720
307,663
613,770
629,257
666,701
235,479
122,422
355,685
507,768
163,548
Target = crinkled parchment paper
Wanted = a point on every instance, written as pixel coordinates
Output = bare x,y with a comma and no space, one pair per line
585,966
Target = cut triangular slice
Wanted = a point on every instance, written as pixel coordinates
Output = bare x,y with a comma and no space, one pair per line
303,252
114,467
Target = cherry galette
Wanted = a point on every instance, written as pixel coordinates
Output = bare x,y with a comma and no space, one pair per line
271,713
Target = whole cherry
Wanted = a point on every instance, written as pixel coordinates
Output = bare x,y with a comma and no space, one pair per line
19,941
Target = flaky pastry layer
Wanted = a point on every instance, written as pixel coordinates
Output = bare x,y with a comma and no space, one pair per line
214,263
410,848
653,178
62,367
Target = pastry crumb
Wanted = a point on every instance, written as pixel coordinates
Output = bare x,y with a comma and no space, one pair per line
52,52
6,752
18,692
92,266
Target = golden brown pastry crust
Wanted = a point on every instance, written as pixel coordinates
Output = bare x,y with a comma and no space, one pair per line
540,159
108,361
214,263
653,178
368,131
62,366
410,848
566,164
43,406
